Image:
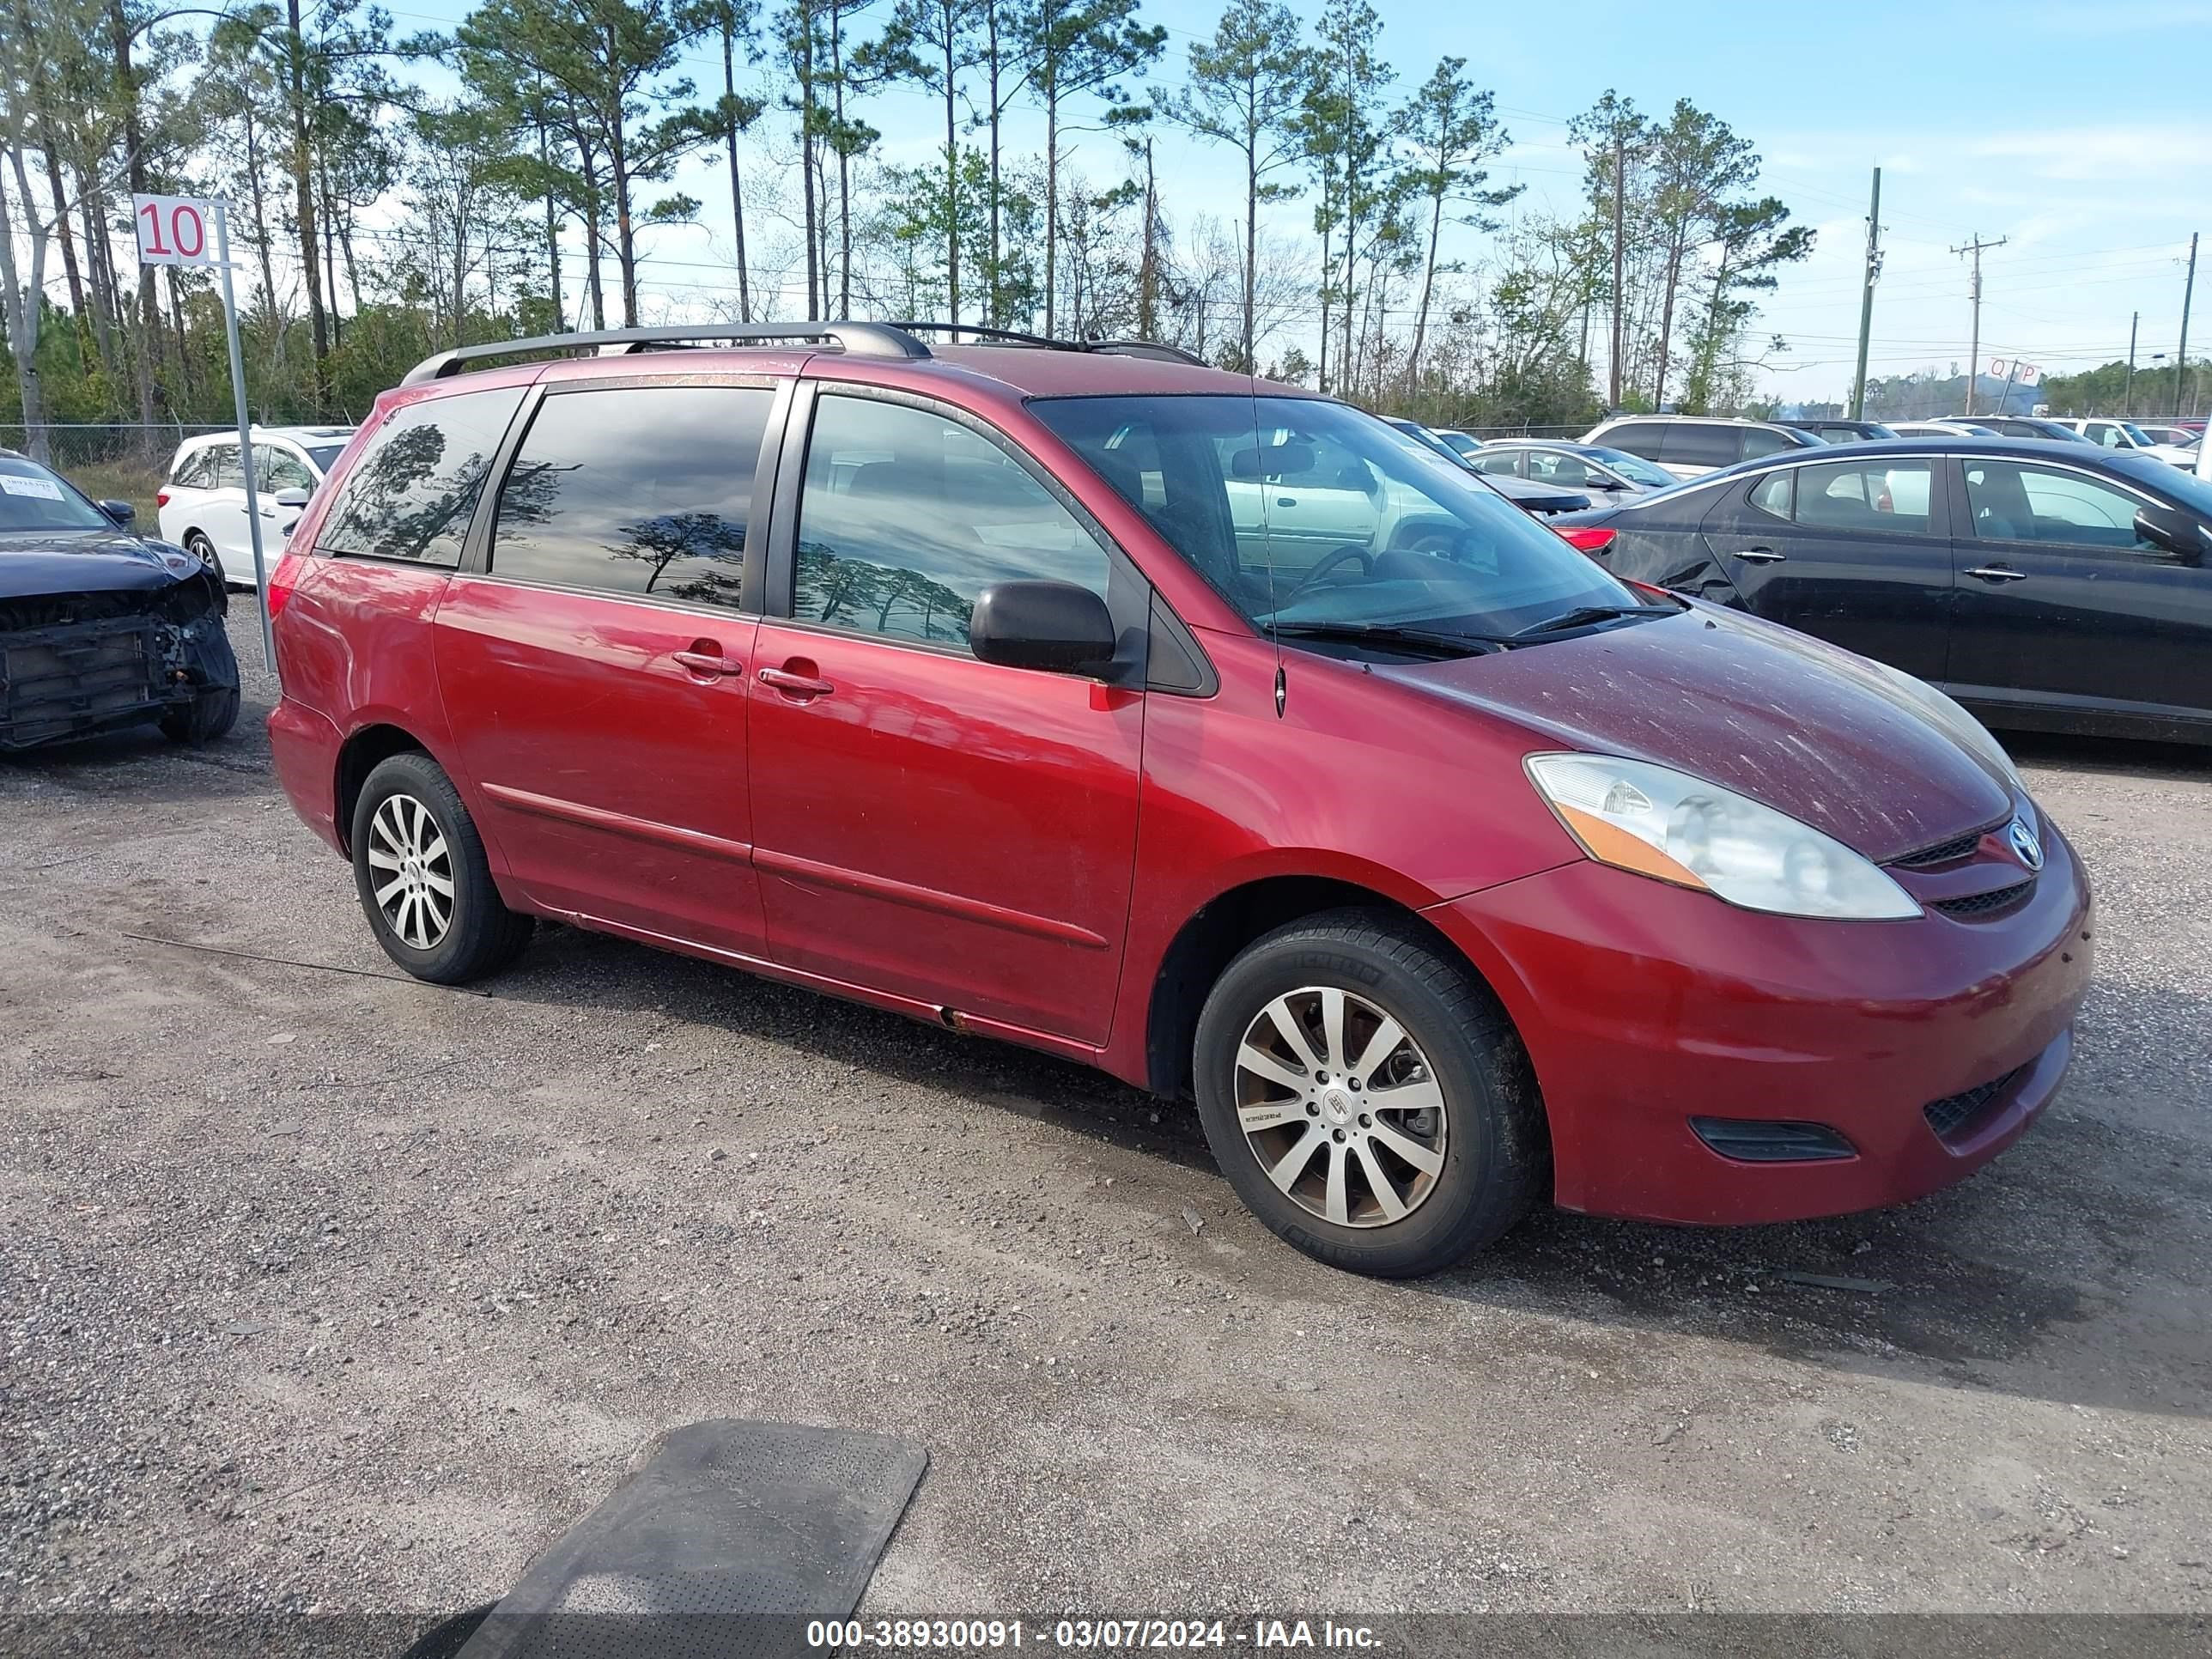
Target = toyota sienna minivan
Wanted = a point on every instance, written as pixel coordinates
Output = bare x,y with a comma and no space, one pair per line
1007,684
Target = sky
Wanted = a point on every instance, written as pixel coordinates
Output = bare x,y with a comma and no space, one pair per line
2074,129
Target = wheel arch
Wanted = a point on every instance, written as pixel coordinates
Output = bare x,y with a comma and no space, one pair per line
1211,938
360,755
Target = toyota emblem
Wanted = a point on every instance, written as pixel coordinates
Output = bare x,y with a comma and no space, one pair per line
2025,846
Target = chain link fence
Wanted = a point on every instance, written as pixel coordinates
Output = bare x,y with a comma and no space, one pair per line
112,460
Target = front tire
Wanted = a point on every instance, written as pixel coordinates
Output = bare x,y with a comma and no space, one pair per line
424,883
210,715
1367,1098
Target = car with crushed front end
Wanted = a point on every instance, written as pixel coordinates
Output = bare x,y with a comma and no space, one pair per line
1447,872
101,628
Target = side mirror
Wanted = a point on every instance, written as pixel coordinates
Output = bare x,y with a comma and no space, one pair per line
2177,532
121,512
1056,626
290,497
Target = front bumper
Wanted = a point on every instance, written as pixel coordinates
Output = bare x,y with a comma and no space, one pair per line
1644,1006
77,679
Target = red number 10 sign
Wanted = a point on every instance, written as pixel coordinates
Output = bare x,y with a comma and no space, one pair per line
174,230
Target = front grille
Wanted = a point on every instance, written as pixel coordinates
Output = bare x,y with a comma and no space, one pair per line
1984,904
1945,852
1769,1140
1954,1113
59,682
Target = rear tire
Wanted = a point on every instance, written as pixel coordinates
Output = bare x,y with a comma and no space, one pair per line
1403,1074
202,549
424,883
210,715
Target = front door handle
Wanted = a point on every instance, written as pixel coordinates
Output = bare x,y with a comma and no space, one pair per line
799,688
1997,573
1761,555
708,662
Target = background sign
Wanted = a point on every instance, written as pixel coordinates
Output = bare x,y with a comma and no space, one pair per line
174,230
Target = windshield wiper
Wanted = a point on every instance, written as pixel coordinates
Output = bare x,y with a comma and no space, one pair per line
1583,615
1388,636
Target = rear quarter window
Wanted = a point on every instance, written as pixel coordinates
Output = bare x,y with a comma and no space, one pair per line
411,495
1642,438
1702,443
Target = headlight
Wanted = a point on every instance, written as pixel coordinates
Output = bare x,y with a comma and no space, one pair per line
1955,723
1659,822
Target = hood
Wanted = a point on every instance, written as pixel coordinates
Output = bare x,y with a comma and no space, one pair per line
37,563
1801,726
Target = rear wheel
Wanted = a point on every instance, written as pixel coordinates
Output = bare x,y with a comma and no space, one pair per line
1367,1099
197,544
424,883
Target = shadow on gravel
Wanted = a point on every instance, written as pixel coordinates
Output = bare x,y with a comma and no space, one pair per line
2066,1270
2123,757
142,764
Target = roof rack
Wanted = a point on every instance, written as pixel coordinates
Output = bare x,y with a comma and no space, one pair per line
985,336
857,339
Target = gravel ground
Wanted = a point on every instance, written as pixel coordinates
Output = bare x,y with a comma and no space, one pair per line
333,1291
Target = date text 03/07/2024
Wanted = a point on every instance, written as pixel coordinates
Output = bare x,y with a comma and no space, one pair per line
1086,1634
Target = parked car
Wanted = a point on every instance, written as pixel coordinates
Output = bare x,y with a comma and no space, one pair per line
203,506
2110,434
101,628
1446,871
1614,474
1690,446
1540,499
1941,430
2029,426
1836,430
2060,587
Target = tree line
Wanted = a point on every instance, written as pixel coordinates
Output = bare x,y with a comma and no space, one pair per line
395,194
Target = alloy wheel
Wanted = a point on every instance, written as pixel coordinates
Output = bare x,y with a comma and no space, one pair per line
1340,1107
412,867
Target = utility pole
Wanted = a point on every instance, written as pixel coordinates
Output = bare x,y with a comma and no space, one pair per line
2127,390
1619,206
2181,363
1974,356
1866,300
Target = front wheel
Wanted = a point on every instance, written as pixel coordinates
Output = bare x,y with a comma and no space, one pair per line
1367,1098
425,885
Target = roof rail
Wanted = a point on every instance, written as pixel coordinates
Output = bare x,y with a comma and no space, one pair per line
857,339
1153,349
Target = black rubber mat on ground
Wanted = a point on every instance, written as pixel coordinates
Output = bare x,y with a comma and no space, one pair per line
725,1542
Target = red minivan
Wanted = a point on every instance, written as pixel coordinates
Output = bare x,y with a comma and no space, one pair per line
1198,728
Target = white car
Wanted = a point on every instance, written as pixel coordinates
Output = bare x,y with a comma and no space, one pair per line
1941,430
202,505
2108,432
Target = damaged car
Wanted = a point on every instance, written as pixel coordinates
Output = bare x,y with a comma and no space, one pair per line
101,628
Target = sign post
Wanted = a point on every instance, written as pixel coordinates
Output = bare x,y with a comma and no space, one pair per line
172,230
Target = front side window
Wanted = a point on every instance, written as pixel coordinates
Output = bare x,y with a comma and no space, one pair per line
1758,440
643,490
1500,463
411,495
1570,471
905,516
1636,469
2016,501
31,498
1889,497
1393,534
275,467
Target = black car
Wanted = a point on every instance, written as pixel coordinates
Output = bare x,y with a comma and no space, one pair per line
101,628
2061,588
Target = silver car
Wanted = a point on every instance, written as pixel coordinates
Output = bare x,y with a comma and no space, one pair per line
1609,475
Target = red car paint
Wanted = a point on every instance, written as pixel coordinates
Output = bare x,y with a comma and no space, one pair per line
1018,853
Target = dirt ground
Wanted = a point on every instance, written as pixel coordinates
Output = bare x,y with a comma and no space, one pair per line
333,1291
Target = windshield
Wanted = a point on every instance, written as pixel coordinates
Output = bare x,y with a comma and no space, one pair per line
31,498
1460,441
2136,435
1634,468
2176,484
1300,511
